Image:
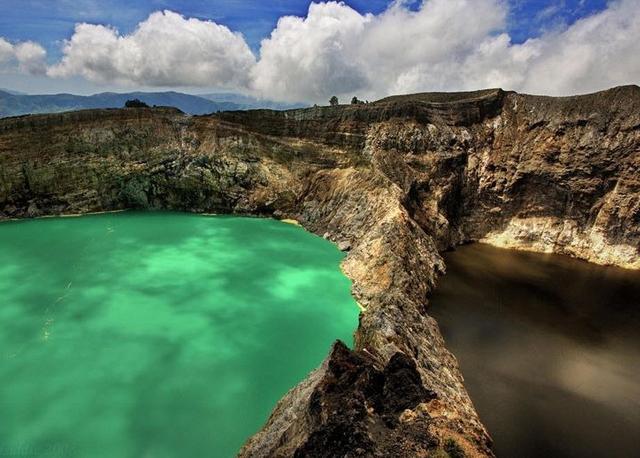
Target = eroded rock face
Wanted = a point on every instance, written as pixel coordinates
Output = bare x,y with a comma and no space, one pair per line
354,409
393,183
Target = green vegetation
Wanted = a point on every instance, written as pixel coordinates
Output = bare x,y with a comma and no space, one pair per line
135,103
450,449
453,449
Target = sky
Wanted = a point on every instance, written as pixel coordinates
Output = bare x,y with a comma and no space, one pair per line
299,51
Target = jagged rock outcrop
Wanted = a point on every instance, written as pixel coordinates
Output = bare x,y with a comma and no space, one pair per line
394,182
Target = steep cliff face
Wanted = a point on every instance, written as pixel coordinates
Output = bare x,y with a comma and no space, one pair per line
394,183
548,174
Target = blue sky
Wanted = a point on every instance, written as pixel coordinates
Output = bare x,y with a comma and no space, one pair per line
453,52
50,21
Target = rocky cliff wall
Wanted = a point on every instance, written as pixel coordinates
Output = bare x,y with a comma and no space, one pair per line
393,183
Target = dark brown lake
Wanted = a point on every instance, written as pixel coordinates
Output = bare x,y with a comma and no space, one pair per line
549,347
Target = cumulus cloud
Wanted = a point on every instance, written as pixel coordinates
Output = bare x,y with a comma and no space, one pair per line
308,58
595,53
6,50
164,50
399,50
29,57
442,45
445,45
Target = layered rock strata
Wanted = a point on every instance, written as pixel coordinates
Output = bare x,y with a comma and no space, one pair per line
394,183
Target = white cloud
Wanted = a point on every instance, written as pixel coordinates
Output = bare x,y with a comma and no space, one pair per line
6,50
596,52
29,57
424,50
443,45
446,45
308,58
337,50
165,50
397,51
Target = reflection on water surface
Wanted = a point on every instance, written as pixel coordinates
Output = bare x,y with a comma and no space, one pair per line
158,334
549,347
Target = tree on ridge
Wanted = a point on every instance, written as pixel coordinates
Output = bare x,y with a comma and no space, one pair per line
135,103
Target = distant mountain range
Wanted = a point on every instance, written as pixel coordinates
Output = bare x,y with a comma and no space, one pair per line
13,103
249,103
10,91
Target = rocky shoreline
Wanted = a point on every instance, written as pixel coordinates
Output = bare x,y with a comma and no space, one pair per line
394,183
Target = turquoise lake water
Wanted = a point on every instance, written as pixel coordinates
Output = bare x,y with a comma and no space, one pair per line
158,334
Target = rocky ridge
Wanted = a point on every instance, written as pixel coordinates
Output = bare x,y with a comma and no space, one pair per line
394,183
